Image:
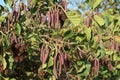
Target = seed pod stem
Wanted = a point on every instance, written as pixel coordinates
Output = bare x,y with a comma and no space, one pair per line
8,24
49,18
18,14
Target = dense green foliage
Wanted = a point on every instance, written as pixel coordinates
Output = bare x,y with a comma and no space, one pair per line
44,40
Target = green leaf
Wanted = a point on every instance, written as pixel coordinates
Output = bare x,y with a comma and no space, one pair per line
106,21
18,29
74,17
44,66
33,3
91,2
116,57
50,62
78,39
96,3
79,63
12,79
68,34
81,69
88,33
11,60
4,63
6,42
99,20
100,51
2,18
118,66
109,52
86,71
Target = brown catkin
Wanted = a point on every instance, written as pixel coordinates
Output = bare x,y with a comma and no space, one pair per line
47,51
96,65
42,53
60,65
57,20
110,67
54,67
52,18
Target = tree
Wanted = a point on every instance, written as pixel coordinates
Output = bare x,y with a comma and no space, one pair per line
45,40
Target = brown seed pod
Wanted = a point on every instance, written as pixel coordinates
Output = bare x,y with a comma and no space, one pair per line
49,18
46,54
43,19
8,24
52,18
60,65
88,21
42,54
54,67
79,54
96,66
62,58
57,20
110,67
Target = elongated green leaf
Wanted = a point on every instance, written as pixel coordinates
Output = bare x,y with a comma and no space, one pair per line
2,18
97,2
18,29
86,71
81,69
6,42
74,17
99,20
91,2
4,63
50,62
88,33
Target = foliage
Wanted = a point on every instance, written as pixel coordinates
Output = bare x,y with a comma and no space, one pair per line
45,40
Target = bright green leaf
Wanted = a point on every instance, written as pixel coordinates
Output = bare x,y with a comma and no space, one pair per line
86,71
74,17
50,62
99,20
44,66
88,33
109,52
118,66
18,29
4,63
6,42
91,2
78,39
2,18
81,69
96,3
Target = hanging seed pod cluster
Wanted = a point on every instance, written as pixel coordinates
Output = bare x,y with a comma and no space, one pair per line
54,17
